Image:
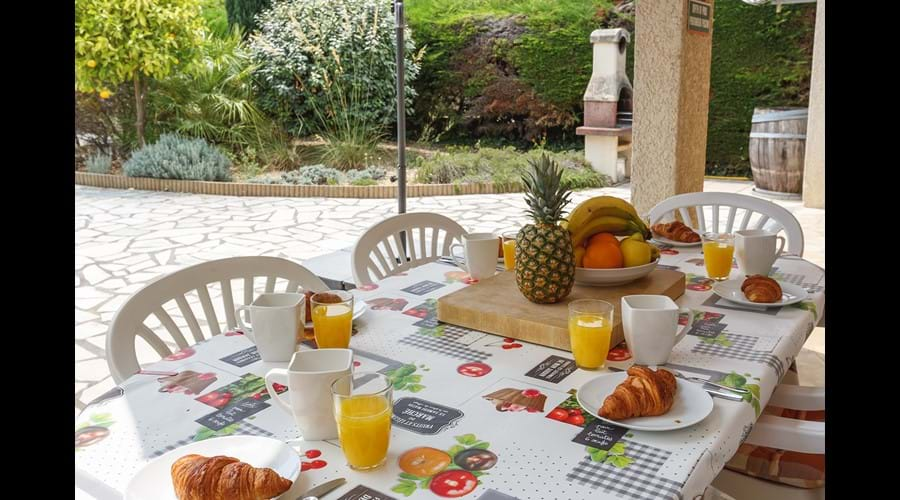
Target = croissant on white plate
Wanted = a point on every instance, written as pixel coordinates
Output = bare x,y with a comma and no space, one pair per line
196,477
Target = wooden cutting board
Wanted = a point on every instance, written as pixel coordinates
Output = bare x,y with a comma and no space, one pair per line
495,305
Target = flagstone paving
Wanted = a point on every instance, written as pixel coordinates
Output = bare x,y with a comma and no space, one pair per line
125,238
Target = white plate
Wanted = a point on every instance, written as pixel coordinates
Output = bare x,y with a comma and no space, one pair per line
692,404
731,290
612,277
667,241
154,480
359,308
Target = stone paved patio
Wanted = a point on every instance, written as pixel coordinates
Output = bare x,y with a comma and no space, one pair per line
125,239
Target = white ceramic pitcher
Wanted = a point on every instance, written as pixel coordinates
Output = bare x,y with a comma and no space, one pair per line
309,377
755,252
650,323
276,320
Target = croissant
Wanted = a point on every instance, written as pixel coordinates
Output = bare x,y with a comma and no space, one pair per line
761,289
676,231
645,393
196,477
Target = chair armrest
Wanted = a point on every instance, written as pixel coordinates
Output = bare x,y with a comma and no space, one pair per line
788,434
797,397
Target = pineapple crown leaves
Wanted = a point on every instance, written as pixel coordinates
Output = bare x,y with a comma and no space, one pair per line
546,194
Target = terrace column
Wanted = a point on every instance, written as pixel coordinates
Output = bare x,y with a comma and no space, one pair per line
672,56
814,163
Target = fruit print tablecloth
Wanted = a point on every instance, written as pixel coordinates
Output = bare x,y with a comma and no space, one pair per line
475,415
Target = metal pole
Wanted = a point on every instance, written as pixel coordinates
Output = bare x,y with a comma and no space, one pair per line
401,110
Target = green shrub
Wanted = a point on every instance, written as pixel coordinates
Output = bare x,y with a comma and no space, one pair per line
312,174
216,17
304,46
214,99
176,157
99,163
365,177
502,166
243,12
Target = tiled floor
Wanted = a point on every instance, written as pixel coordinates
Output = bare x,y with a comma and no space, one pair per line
125,239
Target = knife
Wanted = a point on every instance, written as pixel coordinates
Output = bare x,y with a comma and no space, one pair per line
322,489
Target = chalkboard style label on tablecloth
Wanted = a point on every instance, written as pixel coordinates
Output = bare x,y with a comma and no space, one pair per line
706,328
423,417
423,287
233,414
242,358
601,435
364,493
552,369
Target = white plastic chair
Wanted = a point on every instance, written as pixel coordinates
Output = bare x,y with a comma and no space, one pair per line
179,286
755,213
785,434
378,252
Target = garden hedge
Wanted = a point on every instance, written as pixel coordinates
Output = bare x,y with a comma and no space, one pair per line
514,71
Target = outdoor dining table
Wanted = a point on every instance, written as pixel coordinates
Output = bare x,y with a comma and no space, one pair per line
451,389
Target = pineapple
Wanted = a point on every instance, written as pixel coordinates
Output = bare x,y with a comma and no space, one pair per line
545,261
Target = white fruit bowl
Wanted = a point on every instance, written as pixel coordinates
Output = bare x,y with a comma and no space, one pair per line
612,277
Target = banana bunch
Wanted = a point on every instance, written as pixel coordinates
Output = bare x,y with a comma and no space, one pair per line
604,214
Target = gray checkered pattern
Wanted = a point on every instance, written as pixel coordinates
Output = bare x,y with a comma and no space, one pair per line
742,347
799,280
447,344
637,480
243,429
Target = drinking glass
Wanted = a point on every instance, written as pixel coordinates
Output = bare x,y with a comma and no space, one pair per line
363,406
509,249
332,316
590,329
718,253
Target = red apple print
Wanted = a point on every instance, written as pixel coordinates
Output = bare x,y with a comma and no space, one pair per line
507,346
515,346
697,287
470,281
453,483
531,393
206,376
575,420
509,340
278,387
257,396
367,288
356,363
305,466
184,353
574,411
313,454
318,464
668,251
558,414
618,354
473,369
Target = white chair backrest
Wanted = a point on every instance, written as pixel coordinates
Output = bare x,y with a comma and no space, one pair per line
176,292
787,433
729,212
379,252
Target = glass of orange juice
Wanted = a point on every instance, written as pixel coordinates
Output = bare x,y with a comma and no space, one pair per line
332,317
718,253
363,406
509,249
590,329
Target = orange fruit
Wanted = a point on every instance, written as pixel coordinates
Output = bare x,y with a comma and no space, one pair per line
424,461
608,237
603,255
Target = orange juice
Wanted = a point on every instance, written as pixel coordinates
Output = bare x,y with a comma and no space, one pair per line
332,324
364,428
717,256
590,336
509,254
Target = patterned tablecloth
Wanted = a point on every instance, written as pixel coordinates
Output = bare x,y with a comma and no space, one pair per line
458,389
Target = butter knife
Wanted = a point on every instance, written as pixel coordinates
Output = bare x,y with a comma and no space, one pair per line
322,489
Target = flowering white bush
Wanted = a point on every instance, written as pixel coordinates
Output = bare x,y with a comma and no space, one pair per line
305,48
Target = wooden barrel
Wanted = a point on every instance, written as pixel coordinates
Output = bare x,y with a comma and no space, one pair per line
777,147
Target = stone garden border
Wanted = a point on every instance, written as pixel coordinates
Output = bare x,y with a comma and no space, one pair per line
283,190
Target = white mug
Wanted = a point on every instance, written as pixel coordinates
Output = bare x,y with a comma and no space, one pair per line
309,377
650,323
276,319
754,250
481,251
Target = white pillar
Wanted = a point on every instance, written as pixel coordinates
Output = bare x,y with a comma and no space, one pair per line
814,158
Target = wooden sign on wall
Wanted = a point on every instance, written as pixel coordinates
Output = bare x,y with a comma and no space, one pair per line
699,16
